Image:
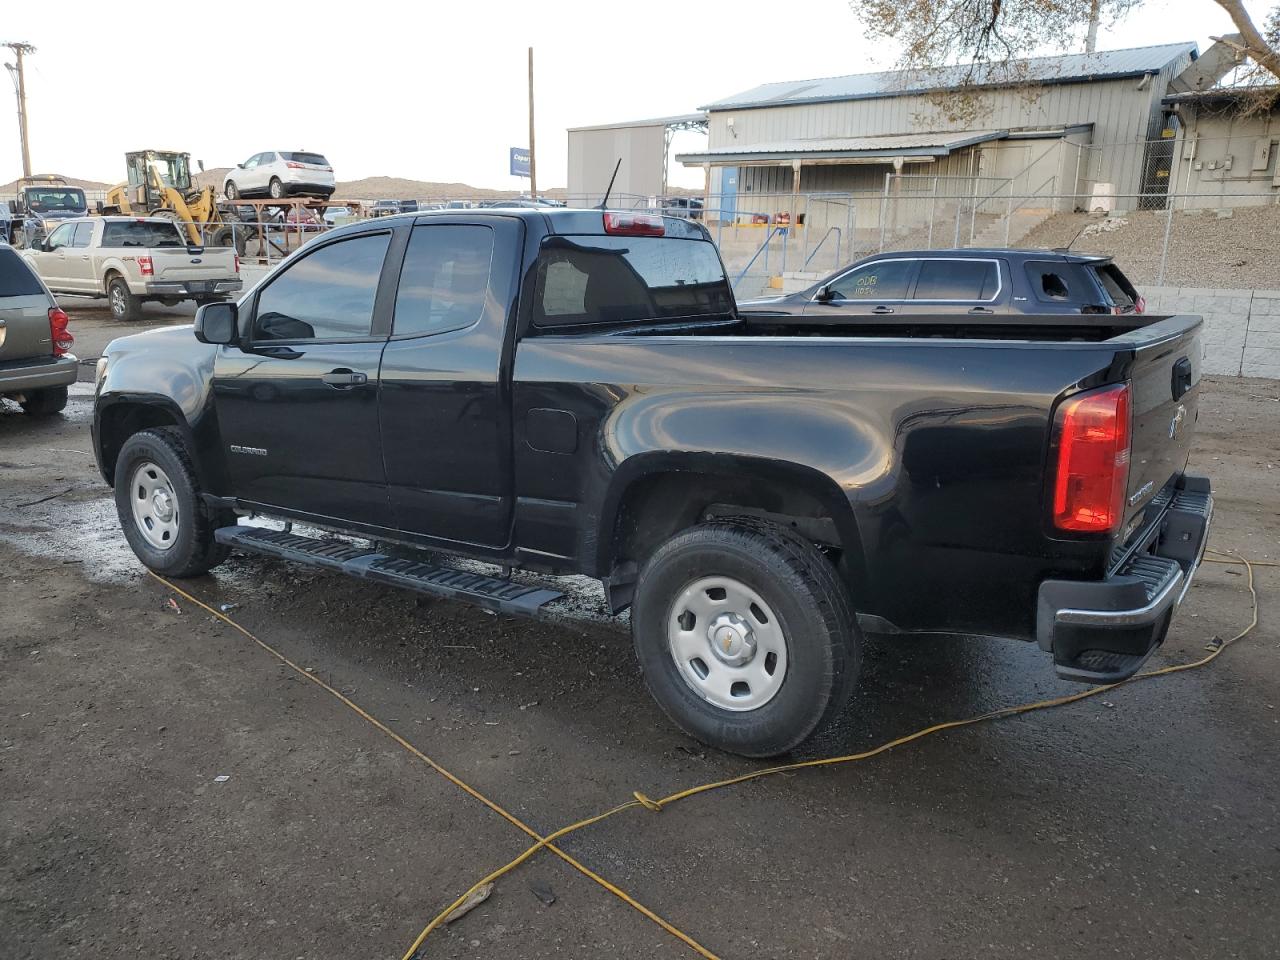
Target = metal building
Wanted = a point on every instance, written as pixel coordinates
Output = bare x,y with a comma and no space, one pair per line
641,145
1072,124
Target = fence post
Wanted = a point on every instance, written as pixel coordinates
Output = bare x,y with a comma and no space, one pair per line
933,202
1008,213
884,202
1164,253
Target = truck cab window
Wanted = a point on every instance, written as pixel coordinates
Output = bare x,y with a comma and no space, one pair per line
444,279
83,234
62,236
327,295
884,280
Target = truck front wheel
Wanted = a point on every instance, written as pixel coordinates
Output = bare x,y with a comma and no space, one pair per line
746,636
164,518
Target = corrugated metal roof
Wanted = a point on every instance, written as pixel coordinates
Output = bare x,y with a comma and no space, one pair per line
678,120
892,145
1066,68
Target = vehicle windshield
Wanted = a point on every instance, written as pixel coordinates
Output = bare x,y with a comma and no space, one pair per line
174,170
52,199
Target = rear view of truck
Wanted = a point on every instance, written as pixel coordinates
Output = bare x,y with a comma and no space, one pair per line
1117,455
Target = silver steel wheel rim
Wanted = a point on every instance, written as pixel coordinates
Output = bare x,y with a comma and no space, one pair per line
117,300
155,505
727,644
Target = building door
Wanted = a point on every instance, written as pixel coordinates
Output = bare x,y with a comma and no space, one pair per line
728,194
1157,166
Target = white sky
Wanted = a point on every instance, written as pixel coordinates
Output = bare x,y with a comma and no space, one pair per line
427,90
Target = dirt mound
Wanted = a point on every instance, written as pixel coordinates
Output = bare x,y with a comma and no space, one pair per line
12,185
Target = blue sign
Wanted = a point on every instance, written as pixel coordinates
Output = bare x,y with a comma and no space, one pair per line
519,162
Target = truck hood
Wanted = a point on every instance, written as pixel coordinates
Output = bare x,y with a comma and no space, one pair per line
180,341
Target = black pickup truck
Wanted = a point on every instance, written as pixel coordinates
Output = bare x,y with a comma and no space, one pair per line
574,392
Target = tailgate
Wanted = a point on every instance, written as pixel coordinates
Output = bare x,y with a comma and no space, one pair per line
24,327
212,263
1164,402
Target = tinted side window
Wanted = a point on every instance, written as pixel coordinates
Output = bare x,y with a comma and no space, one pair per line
884,280
141,233
444,279
16,278
957,280
327,295
84,233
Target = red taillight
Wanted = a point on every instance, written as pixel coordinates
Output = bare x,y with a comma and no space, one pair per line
58,332
146,267
1140,305
1093,461
634,225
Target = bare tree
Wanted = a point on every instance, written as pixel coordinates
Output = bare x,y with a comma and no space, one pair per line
961,44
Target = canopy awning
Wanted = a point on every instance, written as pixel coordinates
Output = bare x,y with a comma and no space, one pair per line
918,146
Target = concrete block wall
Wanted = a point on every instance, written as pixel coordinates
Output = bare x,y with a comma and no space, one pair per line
1241,327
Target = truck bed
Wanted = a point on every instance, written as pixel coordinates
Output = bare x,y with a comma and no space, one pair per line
1085,328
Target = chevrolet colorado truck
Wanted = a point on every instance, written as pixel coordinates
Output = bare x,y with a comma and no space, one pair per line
130,260
575,392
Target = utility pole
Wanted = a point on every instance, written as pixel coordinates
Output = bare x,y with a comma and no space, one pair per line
20,88
1091,38
533,150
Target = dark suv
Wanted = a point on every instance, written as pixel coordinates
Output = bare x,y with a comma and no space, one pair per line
969,282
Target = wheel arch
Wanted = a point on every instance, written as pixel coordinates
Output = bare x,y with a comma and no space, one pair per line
116,419
653,496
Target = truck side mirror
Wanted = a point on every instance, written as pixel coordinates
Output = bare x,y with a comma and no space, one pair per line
217,323
97,206
823,295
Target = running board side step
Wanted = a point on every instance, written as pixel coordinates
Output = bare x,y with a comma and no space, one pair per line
492,593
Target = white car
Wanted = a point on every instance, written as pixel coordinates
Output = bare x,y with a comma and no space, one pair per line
279,174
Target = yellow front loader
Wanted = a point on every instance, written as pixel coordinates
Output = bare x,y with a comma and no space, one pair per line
159,185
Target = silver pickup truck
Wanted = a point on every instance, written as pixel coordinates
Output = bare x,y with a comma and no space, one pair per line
130,260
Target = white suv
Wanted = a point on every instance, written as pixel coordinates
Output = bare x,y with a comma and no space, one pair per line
280,173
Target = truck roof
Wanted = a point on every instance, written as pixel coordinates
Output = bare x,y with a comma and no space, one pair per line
556,220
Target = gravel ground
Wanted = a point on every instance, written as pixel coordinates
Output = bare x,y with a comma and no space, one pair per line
1205,250
1141,823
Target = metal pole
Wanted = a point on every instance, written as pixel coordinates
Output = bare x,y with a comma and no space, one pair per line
933,202
533,152
1164,254
20,50
884,201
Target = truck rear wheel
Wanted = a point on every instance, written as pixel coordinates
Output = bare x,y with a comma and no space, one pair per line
746,636
40,403
164,518
124,305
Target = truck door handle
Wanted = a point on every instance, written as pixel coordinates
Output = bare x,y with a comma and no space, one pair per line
343,377
1181,378
883,310
983,311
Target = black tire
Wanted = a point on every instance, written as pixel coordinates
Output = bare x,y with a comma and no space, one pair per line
813,611
124,305
43,403
229,189
276,189
193,549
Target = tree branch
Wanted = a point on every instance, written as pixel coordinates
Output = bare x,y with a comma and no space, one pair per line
1259,50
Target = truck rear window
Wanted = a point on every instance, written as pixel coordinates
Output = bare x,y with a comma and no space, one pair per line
141,233
604,279
16,278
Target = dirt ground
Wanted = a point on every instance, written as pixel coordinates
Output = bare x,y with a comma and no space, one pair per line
1141,823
